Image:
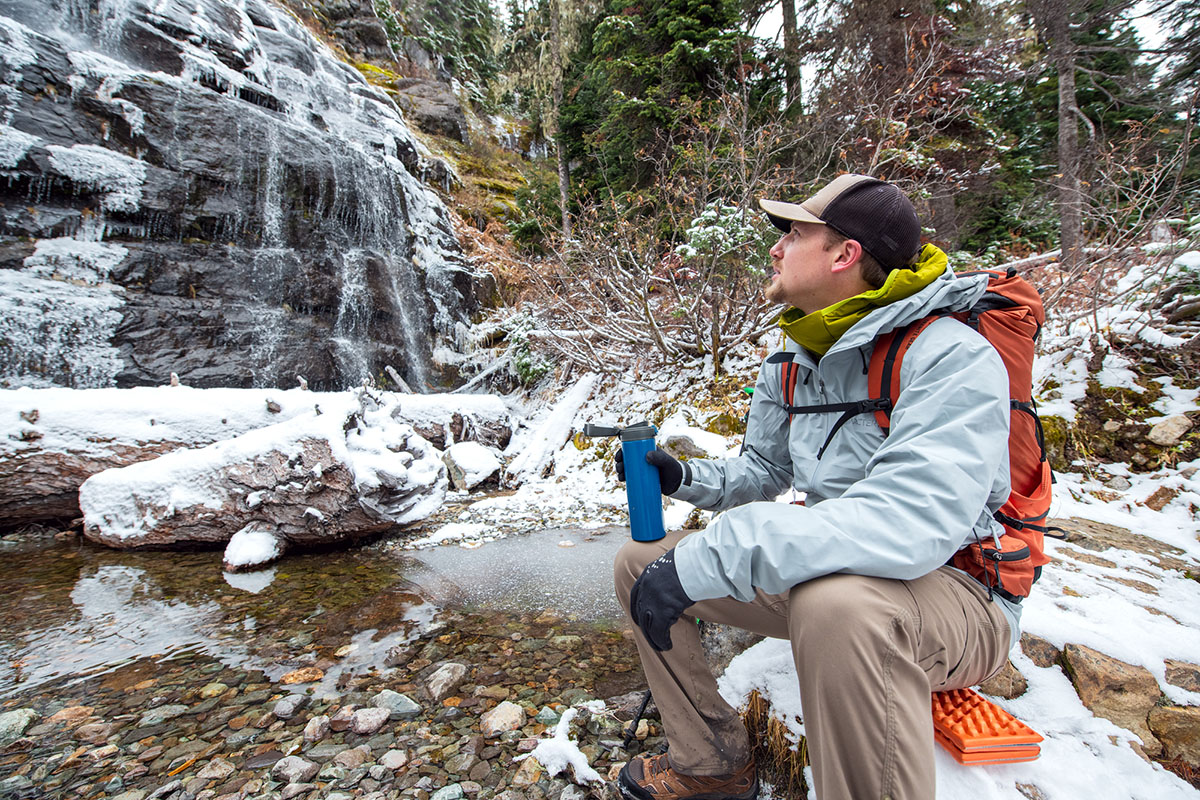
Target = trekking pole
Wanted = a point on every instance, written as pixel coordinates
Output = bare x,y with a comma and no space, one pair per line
637,718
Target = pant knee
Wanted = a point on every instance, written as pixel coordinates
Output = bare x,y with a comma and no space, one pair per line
631,559
849,615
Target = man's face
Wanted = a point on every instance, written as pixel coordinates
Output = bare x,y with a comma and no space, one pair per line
803,269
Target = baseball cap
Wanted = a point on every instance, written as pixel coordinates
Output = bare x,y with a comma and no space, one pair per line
872,212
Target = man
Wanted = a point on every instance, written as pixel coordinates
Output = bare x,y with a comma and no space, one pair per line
855,577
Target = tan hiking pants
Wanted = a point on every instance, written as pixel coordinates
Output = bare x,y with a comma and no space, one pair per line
868,653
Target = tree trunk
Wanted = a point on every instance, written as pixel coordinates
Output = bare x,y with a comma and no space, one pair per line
1070,192
791,55
1054,18
564,168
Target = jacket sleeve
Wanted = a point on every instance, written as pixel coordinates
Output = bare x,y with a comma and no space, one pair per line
764,468
940,472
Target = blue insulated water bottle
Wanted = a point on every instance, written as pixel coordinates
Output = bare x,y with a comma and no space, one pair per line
642,487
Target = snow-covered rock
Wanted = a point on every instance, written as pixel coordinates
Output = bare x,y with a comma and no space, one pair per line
469,464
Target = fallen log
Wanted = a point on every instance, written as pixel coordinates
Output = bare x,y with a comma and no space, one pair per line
318,479
58,438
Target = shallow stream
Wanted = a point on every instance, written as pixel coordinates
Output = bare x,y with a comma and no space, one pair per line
74,610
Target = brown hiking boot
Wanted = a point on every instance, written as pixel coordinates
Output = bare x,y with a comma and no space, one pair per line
652,778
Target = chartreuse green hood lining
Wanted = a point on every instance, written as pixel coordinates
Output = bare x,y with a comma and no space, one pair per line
819,330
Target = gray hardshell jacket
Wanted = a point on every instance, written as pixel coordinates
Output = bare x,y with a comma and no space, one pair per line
895,507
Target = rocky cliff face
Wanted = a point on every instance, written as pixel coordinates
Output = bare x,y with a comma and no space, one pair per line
200,187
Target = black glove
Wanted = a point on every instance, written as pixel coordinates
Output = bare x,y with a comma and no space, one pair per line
657,600
670,471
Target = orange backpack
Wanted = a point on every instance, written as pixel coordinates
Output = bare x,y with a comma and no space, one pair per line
1010,316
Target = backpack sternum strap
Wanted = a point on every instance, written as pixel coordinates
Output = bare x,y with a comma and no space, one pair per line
849,410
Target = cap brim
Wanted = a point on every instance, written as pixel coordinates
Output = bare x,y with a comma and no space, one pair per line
782,215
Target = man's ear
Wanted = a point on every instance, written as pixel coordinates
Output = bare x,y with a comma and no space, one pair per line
847,255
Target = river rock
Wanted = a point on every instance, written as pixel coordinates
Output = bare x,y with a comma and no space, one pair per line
507,716
161,714
1168,432
290,706
14,723
343,718
274,488
317,728
1119,692
294,769
295,790
527,774
547,716
167,789
95,732
1178,728
445,680
394,759
400,706
213,690
353,757
452,792
368,720
218,769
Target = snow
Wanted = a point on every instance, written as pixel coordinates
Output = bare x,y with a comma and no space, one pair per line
559,752
252,545
98,421
532,450
120,502
476,462
452,532
54,332
101,169
1175,400
70,259
14,144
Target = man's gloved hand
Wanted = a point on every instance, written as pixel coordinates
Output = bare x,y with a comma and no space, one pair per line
657,600
670,471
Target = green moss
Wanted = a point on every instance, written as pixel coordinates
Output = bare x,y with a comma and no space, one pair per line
378,76
726,424
1056,431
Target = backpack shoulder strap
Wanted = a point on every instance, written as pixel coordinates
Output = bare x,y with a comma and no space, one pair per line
883,373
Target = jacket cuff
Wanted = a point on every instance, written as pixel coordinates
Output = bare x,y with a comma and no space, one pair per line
694,574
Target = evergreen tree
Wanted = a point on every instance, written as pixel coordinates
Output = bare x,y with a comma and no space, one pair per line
641,66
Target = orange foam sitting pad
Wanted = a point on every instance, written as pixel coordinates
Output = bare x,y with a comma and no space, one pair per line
976,731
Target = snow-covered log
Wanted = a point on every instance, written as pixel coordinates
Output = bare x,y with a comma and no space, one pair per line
58,438
447,419
316,479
